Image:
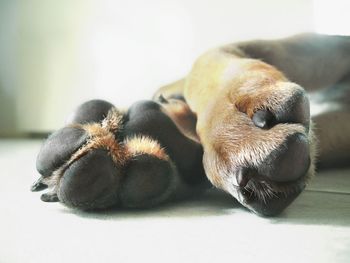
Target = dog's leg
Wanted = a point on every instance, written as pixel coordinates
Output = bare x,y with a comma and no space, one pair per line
254,126
321,64
253,122
313,61
106,158
330,111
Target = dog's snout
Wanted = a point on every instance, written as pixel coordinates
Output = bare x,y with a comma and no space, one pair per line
288,163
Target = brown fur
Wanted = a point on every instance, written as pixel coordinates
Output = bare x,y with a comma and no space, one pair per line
144,145
102,136
226,86
225,107
99,136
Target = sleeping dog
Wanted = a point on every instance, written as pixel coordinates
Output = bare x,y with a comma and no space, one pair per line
251,118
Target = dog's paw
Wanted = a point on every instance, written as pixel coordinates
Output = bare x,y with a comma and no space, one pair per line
81,163
151,176
261,148
89,112
104,158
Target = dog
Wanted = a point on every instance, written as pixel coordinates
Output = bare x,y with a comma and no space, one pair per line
251,118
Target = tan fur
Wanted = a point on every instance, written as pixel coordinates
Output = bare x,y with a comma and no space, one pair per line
225,103
144,145
113,120
226,87
100,136
103,136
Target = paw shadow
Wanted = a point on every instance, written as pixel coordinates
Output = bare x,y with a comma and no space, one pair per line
210,203
317,208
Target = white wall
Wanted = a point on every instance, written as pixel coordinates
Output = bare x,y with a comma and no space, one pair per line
332,17
64,52
8,67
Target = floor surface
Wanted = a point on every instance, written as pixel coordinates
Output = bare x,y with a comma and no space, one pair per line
211,228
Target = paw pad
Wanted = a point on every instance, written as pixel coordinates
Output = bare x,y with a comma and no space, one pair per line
93,165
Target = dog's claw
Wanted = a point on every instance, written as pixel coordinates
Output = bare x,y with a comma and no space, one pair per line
161,99
49,197
38,185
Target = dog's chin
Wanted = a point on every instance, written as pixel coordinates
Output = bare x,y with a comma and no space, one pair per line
267,202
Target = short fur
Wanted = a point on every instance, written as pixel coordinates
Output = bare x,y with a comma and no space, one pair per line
244,109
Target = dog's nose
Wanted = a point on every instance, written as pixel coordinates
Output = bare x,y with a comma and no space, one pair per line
289,162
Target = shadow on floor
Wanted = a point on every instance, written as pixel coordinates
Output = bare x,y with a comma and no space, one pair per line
318,208
311,208
210,203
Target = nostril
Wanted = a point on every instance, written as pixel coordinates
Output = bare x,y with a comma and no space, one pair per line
290,162
263,119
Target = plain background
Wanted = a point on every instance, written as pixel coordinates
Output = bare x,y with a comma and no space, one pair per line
56,54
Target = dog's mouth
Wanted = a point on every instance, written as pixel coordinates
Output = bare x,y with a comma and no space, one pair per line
265,197
266,201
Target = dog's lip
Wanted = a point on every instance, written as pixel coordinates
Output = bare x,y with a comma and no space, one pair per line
272,205
247,194
243,176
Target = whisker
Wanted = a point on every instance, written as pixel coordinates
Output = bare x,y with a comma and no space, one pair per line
265,190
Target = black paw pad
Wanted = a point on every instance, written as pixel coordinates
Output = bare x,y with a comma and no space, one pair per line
91,182
58,148
149,180
90,111
49,197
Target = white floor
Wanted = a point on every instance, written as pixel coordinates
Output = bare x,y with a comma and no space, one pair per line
212,228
